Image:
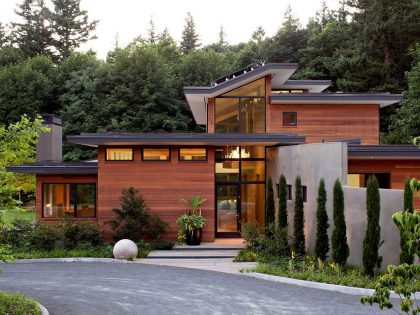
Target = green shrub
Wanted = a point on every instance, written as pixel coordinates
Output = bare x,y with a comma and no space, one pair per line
17,304
299,220
340,248
269,204
322,245
406,257
282,216
163,245
18,234
44,236
77,232
275,242
133,220
246,255
371,242
251,234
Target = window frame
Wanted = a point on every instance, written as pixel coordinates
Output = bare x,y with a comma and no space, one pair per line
157,147
119,147
305,193
189,147
289,191
74,195
283,121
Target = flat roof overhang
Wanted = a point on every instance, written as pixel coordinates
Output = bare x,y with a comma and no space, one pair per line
313,86
197,96
383,152
212,139
56,167
382,99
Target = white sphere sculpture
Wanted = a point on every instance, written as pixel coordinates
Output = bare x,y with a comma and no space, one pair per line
125,249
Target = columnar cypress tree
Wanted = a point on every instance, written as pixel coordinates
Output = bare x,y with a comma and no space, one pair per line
269,205
282,217
405,256
371,258
340,248
322,245
299,220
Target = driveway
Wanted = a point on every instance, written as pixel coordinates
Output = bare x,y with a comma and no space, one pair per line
105,288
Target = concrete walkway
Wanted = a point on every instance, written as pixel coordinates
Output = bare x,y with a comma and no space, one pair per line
217,256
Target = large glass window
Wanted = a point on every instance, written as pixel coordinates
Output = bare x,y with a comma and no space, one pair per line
68,200
119,154
192,154
241,110
156,154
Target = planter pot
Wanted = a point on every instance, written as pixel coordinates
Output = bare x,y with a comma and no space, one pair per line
194,237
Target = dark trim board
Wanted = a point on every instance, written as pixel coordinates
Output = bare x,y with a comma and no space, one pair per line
59,168
383,151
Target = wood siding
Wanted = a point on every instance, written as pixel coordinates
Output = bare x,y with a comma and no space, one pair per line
162,185
400,170
328,122
210,115
62,179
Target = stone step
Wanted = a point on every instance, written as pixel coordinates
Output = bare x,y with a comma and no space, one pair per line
192,254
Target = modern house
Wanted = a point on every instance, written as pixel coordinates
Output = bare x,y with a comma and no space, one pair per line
259,123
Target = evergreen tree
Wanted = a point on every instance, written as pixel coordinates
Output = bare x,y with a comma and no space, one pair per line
322,245
371,243
71,26
340,248
269,205
189,40
258,35
282,216
152,36
34,34
299,220
285,46
3,35
406,257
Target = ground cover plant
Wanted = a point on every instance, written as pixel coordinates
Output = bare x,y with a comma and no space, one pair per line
18,304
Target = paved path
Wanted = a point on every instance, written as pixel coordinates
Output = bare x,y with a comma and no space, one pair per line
104,288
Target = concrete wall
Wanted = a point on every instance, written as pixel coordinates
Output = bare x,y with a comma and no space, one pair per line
392,200
329,161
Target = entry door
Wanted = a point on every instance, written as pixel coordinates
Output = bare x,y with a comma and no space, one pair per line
228,210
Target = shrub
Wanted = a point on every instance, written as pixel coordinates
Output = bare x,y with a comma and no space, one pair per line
406,257
371,243
299,220
246,255
282,217
76,232
269,204
275,242
340,248
18,234
133,221
15,304
43,236
251,234
163,245
322,245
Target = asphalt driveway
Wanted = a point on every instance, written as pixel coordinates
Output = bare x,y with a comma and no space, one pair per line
105,288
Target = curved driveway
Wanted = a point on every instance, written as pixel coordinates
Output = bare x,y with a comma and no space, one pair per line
105,288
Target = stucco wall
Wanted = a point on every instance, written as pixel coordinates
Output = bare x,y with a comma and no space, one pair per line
356,220
329,161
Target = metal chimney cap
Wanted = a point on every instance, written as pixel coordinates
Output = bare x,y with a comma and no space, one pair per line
51,119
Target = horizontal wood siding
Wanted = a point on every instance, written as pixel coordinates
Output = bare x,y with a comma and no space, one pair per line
328,122
162,185
400,170
59,179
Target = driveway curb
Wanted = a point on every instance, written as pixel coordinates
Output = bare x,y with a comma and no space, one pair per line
44,310
320,285
70,260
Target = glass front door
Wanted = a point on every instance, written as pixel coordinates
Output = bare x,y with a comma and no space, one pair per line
228,210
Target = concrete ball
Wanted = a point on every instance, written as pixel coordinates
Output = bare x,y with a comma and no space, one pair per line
125,249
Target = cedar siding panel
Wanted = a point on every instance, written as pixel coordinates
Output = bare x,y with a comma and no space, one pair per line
328,122
400,170
162,185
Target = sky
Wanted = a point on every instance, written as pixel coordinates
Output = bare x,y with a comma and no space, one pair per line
126,19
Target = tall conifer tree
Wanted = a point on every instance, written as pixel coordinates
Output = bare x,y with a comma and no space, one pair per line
299,220
340,247
322,245
189,35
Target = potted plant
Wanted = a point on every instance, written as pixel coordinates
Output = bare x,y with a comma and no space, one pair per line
191,223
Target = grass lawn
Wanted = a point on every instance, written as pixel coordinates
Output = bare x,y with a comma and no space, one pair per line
9,215
18,304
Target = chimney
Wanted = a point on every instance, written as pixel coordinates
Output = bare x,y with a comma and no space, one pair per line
50,146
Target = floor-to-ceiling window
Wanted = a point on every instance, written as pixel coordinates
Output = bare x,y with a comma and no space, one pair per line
241,110
240,187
